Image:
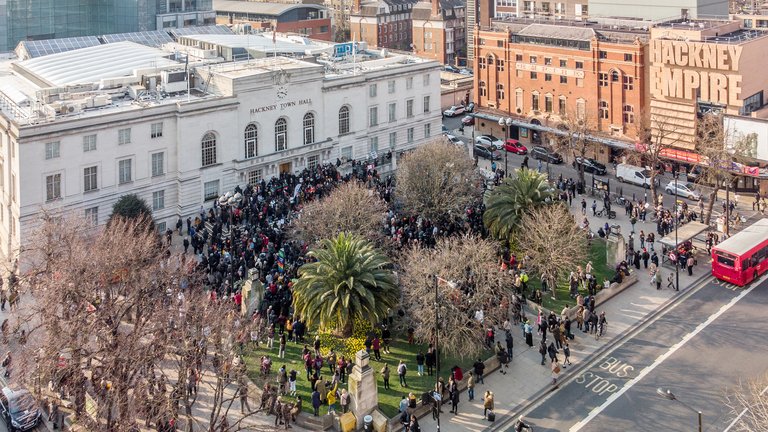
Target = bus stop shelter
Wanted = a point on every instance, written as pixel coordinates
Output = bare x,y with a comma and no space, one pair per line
687,232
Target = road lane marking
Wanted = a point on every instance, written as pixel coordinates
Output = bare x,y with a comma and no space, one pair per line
612,398
741,414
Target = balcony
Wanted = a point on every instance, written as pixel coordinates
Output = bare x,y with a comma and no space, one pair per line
285,155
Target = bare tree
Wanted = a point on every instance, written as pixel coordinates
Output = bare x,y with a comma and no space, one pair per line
552,242
749,403
476,288
656,135
574,141
436,181
349,208
722,155
107,317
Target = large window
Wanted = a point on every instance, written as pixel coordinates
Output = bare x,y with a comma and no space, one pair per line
254,177
343,120
752,103
535,101
251,141
629,114
124,171
483,89
52,149
603,105
156,130
124,136
158,164
519,99
603,78
562,105
90,178
92,215
409,108
392,110
211,190
629,82
158,200
89,143
548,103
281,134
309,128
52,187
209,149
373,116
426,104
427,130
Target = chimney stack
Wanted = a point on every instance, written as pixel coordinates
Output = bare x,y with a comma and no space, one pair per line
356,7
435,8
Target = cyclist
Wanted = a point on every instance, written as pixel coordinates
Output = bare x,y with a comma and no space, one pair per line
520,425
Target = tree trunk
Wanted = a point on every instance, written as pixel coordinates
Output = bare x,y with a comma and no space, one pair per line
346,330
712,196
653,187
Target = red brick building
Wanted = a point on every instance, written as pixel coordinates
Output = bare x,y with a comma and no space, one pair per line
543,73
308,19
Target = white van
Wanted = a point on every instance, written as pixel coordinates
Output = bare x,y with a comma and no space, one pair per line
632,174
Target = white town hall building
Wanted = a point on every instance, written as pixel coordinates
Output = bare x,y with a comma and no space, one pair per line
79,129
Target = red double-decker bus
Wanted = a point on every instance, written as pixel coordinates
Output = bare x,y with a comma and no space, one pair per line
743,257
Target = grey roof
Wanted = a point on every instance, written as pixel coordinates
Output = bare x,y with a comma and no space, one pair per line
217,29
153,38
92,64
558,32
261,42
259,8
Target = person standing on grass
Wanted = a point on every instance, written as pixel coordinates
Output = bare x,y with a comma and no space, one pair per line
402,369
281,352
420,363
376,344
385,375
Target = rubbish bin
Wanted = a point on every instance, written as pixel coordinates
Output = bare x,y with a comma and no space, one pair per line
368,424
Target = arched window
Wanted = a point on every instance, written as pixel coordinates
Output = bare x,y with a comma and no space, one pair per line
499,91
614,76
251,141
490,60
309,128
209,149
629,114
483,89
281,134
344,120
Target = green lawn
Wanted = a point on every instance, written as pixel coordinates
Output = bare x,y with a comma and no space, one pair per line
389,400
601,271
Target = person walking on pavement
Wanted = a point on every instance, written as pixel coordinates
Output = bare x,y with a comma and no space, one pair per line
543,350
454,395
555,371
479,368
471,386
243,392
690,263
510,344
583,207
487,403
552,350
567,354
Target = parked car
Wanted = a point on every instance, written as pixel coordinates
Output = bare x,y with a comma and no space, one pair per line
465,71
454,111
490,140
514,146
542,153
693,174
445,129
487,152
633,174
453,140
590,165
468,120
684,189
19,409
452,69
471,107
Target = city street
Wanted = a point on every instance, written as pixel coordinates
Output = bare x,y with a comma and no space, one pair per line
699,349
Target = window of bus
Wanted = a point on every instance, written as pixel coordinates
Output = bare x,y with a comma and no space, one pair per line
725,259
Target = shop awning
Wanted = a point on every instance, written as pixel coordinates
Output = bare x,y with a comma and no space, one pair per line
684,233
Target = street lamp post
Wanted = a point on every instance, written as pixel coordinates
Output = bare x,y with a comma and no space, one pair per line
229,201
508,123
667,394
731,151
677,246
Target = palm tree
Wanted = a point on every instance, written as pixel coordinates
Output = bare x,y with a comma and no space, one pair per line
506,204
349,280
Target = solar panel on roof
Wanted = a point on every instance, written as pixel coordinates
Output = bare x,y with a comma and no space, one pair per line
41,48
